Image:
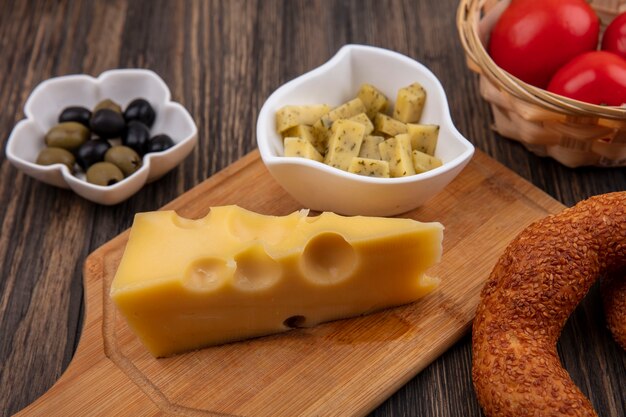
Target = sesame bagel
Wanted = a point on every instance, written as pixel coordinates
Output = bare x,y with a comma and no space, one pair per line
613,291
534,287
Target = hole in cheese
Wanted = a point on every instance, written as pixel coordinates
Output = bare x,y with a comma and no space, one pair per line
247,226
328,259
185,223
256,270
206,274
295,322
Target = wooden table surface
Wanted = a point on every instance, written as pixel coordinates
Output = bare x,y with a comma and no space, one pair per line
221,60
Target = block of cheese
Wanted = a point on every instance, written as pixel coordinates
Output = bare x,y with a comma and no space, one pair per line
290,116
422,162
308,133
423,137
369,147
301,148
365,121
185,284
373,100
345,111
344,143
387,125
369,167
397,151
410,103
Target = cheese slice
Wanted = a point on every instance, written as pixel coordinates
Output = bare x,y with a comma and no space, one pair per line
185,284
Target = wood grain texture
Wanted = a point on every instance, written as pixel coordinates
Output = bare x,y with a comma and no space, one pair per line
221,60
342,368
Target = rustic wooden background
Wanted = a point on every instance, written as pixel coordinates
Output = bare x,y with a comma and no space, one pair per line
221,60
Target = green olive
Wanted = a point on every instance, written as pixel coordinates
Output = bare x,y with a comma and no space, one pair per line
104,173
50,156
108,104
124,158
67,135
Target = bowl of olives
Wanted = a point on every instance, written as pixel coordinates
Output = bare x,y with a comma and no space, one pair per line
104,137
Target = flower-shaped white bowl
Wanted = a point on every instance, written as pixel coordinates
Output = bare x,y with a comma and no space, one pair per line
50,97
320,187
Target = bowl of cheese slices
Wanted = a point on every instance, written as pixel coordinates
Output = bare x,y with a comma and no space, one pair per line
367,133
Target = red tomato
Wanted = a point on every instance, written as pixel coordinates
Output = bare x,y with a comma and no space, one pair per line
534,38
614,38
596,77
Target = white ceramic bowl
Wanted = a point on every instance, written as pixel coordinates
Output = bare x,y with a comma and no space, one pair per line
320,187
50,97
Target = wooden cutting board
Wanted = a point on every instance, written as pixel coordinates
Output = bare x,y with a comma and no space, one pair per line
342,368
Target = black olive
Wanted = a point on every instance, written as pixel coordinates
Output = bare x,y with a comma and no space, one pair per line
91,152
77,114
159,143
139,109
107,124
136,136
